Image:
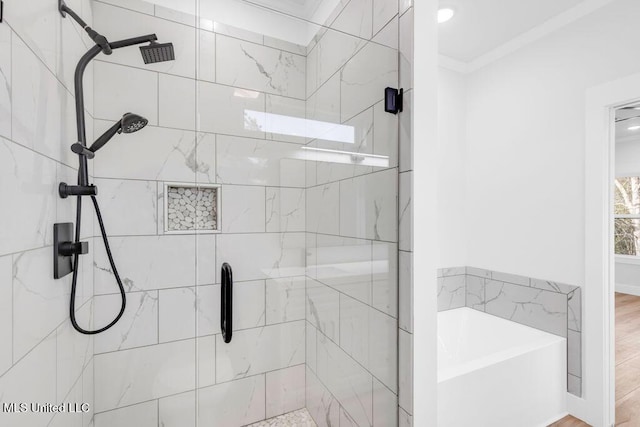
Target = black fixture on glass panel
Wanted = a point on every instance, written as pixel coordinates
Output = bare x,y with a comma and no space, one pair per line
68,248
393,100
226,303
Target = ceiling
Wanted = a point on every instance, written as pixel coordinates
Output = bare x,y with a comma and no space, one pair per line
481,26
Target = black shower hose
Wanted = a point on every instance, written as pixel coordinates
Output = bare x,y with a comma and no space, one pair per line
72,305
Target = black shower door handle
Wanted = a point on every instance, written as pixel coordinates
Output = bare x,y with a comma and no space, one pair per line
226,303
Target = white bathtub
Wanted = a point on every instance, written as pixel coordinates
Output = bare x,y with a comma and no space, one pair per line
493,372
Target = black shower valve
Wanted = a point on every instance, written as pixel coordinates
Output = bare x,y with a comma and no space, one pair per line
76,190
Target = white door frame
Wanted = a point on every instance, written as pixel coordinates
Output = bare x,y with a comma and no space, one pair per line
598,340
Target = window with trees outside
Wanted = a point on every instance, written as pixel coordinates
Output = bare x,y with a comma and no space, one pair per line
627,216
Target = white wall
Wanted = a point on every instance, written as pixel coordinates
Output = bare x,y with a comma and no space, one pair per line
452,206
525,155
526,144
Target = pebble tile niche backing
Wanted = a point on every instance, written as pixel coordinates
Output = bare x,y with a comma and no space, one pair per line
192,208
549,306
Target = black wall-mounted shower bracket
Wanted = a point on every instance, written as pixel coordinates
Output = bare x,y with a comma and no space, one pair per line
64,249
65,190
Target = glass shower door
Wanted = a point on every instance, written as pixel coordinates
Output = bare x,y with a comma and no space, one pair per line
271,125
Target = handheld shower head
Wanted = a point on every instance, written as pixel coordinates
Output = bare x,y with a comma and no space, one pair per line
157,52
129,123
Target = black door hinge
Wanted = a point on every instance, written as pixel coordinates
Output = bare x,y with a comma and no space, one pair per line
1,10
393,99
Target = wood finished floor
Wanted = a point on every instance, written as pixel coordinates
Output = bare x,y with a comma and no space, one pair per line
627,365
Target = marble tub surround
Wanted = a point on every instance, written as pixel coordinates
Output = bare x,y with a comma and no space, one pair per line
546,305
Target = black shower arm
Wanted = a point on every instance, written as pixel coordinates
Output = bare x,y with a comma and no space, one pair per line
83,175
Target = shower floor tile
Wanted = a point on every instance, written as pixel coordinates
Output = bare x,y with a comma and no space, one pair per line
300,418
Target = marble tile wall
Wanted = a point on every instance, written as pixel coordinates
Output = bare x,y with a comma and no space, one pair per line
42,358
165,363
352,316
549,306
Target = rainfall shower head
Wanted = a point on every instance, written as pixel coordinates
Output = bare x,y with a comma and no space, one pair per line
157,52
129,123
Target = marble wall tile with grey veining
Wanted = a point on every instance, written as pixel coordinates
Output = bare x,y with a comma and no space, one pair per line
384,295
451,292
285,209
311,333
5,81
139,371
574,312
345,264
405,285
285,299
475,292
332,51
510,278
35,291
383,11
285,390
323,308
451,271
259,162
137,327
177,411
479,272
406,50
323,209
574,351
117,22
234,403
142,415
252,66
146,262
376,196
230,111
405,371
137,198
405,211
28,181
249,353
278,121
169,154
6,314
356,19
347,380
532,307
323,407
248,307
380,66
261,255
552,286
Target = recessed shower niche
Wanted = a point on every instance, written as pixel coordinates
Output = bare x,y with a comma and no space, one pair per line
189,208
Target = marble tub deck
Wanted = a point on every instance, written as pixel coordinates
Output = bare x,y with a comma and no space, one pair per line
300,418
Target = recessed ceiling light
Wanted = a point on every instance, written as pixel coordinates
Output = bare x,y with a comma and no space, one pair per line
636,127
445,14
